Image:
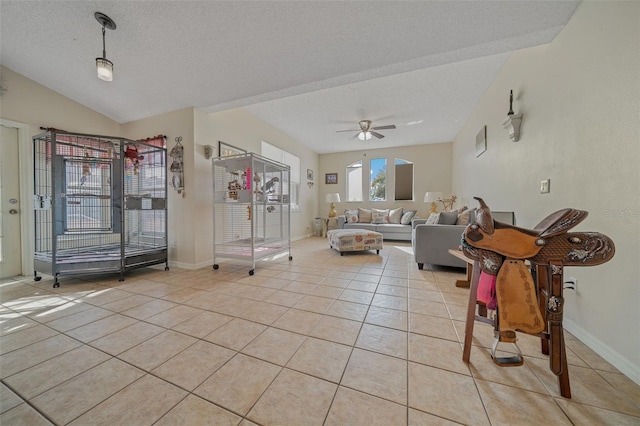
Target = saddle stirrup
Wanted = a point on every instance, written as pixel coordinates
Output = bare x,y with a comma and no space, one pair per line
510,361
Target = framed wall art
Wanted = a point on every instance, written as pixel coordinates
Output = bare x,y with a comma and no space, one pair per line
226,150
481,141
309,174
331,178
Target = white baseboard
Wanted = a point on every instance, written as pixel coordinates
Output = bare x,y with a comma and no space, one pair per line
625,366
209,263
182,265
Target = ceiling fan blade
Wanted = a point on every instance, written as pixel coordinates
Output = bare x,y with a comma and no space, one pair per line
390,126
354,130
354,136
376,134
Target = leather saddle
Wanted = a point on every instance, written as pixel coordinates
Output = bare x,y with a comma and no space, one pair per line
502,250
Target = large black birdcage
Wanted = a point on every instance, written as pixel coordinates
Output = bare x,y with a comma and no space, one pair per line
100,204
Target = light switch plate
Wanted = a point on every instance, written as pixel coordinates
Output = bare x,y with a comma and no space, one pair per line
545,186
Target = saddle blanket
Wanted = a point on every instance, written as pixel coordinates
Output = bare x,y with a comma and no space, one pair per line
487,290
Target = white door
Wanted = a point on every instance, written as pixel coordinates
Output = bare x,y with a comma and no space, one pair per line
10,247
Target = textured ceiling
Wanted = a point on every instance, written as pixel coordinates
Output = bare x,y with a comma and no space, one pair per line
307,67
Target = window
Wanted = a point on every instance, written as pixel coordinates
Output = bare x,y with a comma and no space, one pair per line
354,181
88,196
284,157
404,180
378,180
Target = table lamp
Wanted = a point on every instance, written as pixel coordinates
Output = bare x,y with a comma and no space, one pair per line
332,198
433,198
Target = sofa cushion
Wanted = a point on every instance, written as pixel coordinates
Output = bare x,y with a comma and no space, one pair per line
379,216
364,215
367,226
351,215
395,215
463,218
393,228
407,216
433,219
448,218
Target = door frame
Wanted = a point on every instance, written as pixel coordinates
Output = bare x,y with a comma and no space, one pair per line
25,159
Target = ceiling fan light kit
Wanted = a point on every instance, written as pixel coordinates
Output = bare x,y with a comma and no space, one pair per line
364,136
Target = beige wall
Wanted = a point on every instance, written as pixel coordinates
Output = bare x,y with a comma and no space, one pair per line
244,130
190,215
580,96
182,224
28,102
432,172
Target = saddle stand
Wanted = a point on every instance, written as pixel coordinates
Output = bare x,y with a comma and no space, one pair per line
529,298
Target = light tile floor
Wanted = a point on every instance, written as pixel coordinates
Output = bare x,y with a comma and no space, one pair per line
358,339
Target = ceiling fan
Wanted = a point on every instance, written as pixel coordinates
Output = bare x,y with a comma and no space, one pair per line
366,131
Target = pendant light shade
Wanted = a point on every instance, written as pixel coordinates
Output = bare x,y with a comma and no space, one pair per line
103,65
105,69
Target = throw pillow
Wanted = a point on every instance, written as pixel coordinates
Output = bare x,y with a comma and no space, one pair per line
448,218
433,219
395,215
364,215
407,216
463,218
351,215
379,216
461,209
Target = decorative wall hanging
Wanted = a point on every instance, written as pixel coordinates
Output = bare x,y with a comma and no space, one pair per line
330,178
177,166
481,141
310,178
512,123
208,151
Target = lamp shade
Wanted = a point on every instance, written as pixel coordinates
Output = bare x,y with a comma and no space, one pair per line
432,197
332,198
105,69
103,65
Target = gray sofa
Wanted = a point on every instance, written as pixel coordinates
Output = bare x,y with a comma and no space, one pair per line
389,231
431,243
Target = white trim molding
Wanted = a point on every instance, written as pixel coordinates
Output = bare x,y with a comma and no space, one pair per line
25,154
625,366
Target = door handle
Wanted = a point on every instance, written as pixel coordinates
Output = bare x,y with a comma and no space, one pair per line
13,211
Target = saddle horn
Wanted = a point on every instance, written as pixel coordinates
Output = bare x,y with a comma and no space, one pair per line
483,216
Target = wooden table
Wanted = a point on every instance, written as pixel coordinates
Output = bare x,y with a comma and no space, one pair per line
460,255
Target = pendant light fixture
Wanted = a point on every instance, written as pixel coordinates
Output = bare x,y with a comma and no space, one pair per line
104,66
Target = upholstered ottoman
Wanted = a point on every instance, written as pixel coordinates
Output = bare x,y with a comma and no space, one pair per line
345,240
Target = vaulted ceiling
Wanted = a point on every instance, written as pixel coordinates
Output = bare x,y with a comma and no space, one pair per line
309,68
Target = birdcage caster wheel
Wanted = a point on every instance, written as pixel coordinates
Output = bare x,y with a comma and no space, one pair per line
166,268
290,257
216,266
37,278
251,272
56,284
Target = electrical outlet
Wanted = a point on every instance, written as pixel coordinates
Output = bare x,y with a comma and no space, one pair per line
545,186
